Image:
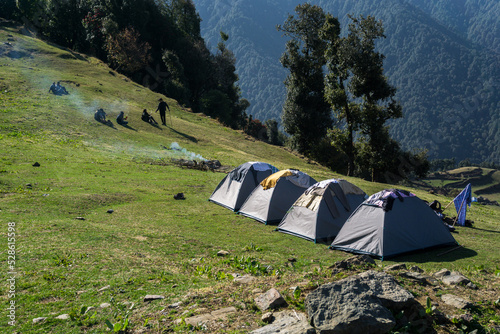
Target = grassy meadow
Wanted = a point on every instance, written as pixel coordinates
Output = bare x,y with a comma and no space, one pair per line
70,253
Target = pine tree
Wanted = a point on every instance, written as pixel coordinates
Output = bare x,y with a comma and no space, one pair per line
306,114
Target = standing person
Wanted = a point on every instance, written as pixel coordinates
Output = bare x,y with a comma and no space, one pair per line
162,107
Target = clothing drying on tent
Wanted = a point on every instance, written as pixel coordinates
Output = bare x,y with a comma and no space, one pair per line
390,223
271,199
321,211
234,189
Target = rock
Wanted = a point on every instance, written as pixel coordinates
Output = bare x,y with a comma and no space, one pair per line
246,279
360,261
441,273
287,322
472,286
110,211
455,301
420,278
149,298
395,267
37,320
36,164
179,196
222,253
267,317
455,278
271,299
63,317
105,305
80,218
104,288
175,305
349,307
416,269
355,304
202,319
385,287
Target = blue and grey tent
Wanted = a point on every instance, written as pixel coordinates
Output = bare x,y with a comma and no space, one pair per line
390,223
321,211
271,199
234,189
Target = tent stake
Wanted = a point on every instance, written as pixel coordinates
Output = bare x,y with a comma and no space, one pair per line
450,250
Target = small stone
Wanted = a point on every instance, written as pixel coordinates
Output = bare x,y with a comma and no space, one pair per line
455,301
271,299
36,164
440,274
37,320
110,211
104,288
175,305
247,279
416,269
394,267
80,218
105,305
267,317
148,298
63,317
472,286
222,253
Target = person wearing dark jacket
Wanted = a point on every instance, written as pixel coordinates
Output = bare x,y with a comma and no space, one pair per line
146,117
121,119
162,108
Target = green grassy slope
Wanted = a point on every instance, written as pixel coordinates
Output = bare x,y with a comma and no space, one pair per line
150,244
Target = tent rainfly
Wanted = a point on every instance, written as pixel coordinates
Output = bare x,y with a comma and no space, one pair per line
321,211
271,199
390,223
234,189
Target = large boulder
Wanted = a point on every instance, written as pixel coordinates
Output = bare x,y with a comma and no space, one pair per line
348,306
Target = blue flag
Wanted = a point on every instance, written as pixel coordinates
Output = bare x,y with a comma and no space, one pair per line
461,201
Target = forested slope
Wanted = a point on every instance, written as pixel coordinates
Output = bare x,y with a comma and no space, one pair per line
442,58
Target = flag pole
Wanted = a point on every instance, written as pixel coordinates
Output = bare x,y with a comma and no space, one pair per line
459,210
446,207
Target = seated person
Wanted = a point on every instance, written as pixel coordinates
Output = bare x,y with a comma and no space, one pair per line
53,88
121,119
100,115
146,117
61,89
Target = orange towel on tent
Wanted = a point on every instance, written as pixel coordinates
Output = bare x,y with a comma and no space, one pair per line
270,181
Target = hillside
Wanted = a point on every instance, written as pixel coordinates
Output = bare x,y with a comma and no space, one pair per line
91,226
442,59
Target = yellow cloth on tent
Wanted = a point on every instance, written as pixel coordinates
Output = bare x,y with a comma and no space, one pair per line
270,181
310,201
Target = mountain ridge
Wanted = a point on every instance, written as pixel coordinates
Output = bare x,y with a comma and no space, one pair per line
446,81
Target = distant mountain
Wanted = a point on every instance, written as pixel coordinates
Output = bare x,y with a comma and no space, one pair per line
443,56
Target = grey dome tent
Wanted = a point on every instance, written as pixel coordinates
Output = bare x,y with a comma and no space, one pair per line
234,189
321,211
271,199
390,223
